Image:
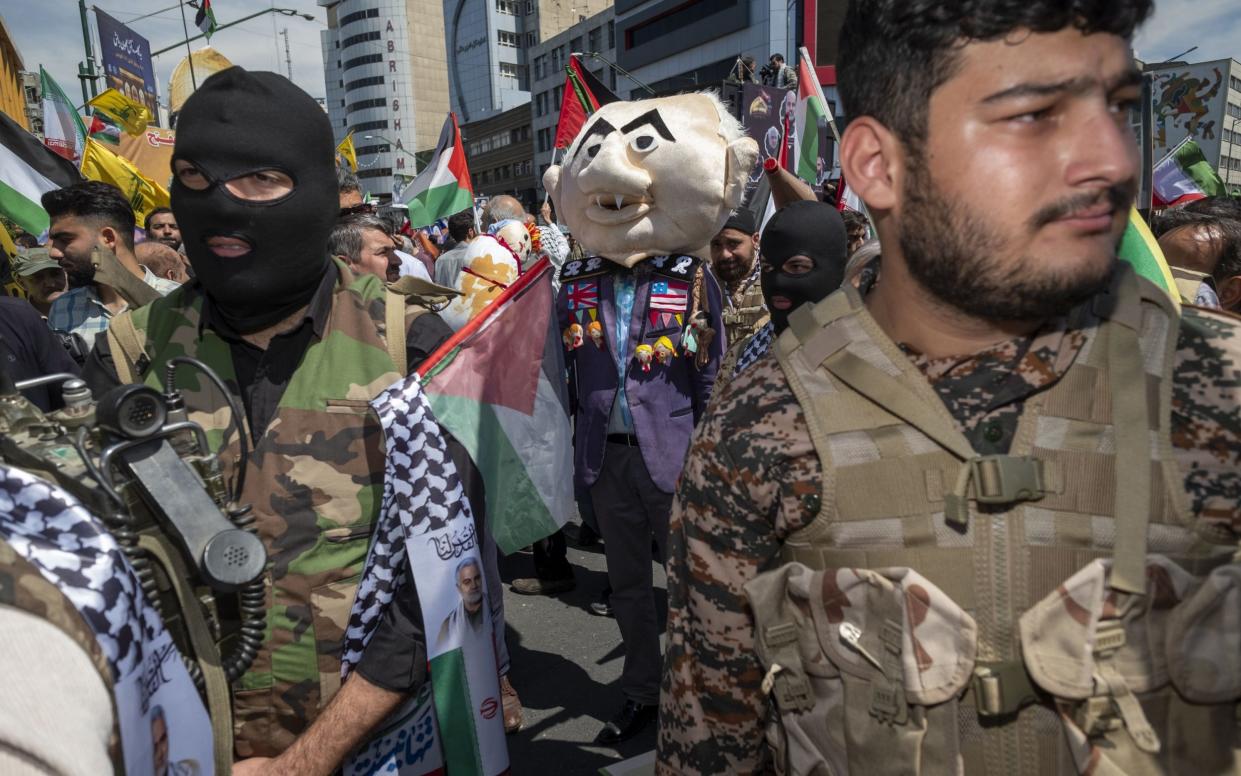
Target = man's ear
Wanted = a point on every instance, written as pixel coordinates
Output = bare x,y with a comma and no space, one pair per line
872,161
1230,293
740,158
109,237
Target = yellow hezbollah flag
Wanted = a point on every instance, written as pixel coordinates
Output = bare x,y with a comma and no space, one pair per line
346,151
1139,248
144,194
132,116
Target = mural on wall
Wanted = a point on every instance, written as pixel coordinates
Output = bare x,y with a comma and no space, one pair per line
1189,102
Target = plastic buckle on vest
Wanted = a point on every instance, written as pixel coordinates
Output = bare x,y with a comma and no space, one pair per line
1001,689
788,683
1114,702
997,479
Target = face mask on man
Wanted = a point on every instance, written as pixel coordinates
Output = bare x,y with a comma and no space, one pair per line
254,192
804,251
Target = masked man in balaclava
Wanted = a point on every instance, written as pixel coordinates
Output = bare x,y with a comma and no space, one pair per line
803,260
645,186
300,342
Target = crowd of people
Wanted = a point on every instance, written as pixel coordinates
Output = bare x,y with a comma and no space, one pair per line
939,487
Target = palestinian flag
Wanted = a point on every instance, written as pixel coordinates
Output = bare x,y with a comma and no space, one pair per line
1139,248
104,130
205,19
63,130
27,170
443,187
583,95
498,387
812,113
1185,175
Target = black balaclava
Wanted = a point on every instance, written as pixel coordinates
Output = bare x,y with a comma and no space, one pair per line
240,122
813,230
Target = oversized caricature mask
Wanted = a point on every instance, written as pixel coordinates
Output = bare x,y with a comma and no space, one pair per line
255,196
652,177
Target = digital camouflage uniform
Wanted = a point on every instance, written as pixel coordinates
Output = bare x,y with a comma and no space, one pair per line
745,312
315,481
754,478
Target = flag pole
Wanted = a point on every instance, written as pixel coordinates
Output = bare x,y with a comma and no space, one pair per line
547,194
189,54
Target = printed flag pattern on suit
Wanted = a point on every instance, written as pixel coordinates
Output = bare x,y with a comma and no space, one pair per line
669,299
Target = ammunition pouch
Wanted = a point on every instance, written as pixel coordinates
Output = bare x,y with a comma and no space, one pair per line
865,669
1141,681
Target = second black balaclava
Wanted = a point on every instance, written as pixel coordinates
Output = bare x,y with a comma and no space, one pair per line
240,122
813,230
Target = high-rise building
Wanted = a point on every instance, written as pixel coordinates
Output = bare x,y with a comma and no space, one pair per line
1201,100
488,44
387,82
595,39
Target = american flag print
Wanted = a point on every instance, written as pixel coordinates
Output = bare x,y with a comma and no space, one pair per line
583,295
669,296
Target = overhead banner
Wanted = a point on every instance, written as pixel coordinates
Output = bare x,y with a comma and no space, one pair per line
150,152
126,58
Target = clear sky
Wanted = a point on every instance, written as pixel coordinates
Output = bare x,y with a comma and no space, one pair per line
48,32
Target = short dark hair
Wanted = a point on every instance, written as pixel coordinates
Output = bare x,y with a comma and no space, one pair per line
895,53
1221,214
776,58
26,240
146,223
460,224
95,200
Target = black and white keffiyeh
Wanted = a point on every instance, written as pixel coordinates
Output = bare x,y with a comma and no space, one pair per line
757,347
422,492
70,548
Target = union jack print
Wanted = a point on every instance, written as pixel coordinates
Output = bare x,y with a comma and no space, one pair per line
583,295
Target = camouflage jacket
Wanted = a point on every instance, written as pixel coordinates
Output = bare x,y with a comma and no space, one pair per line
753,478
745,311
315,480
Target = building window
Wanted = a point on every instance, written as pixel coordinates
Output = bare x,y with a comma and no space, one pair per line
508,69
529,7
381,172
540,66
356,16
369,59
531,39
353,40
382,148
611,34
368,126
1234,82
575,45
510,39
510,7
558,95
595,38
363,104
376,80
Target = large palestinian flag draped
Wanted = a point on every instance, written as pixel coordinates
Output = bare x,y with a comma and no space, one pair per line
27,170
63,129
498,387
812,113
583,95
443,187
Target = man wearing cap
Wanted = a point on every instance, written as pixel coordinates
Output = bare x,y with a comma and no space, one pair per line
41,277
734,259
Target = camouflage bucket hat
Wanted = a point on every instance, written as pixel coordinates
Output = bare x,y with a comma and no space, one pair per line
33,261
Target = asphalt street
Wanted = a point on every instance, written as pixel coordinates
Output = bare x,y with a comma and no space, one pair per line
566,664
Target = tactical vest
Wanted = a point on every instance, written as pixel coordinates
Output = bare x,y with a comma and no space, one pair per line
1050,611
23,587
745,315
1189,283
314,479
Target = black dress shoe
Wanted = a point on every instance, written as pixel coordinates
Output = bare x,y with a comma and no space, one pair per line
586,536
628,723
603,607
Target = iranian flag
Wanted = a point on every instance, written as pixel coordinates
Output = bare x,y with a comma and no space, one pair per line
63,130
498,386
27,170
1185,175
443,187
812,113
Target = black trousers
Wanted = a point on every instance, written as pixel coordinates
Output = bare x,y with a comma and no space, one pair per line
631,512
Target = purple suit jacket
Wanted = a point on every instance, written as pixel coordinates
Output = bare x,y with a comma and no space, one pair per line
666,402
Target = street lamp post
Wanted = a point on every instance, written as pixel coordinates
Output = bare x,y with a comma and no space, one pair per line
397,146
283,11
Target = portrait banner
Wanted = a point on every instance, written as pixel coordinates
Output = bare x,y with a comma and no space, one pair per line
764,110
126,59
426,525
